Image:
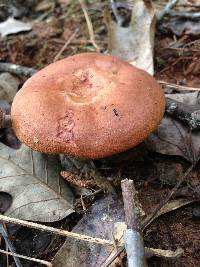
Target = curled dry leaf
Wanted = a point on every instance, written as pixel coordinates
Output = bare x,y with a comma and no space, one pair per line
33,181
174,138
135,43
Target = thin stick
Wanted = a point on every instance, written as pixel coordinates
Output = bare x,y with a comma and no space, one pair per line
26,258
9,244
132,236
150,218
130,204
185,15
65,45
17,69
166,9
190,115
55,230
178,87
89,24
118,18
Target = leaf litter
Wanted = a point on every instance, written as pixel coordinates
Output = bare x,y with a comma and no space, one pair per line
105,219
90,219
32,179
174,138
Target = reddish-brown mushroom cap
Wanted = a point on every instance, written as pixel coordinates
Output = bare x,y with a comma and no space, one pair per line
89,105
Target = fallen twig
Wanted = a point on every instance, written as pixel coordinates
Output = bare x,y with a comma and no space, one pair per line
132,237
150,252
174,86
65,45
166,10
56,231
184,15
187,114
118,17
152,216
26,258
89,24
16,69
4,233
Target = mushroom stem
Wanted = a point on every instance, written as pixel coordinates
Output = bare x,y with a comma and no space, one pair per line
5,120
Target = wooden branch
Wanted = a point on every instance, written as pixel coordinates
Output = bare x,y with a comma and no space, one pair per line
132,237
184,15
53,230
65,45
189,115
166,10
26,258
89,24
16,69
10,246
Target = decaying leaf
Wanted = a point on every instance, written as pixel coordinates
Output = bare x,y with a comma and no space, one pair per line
105,219
174,138
99,221
11,26
170,206
32,179
135,43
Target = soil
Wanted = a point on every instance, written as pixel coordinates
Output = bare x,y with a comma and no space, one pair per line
37,49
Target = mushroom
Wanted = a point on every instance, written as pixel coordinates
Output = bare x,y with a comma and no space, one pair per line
89,106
